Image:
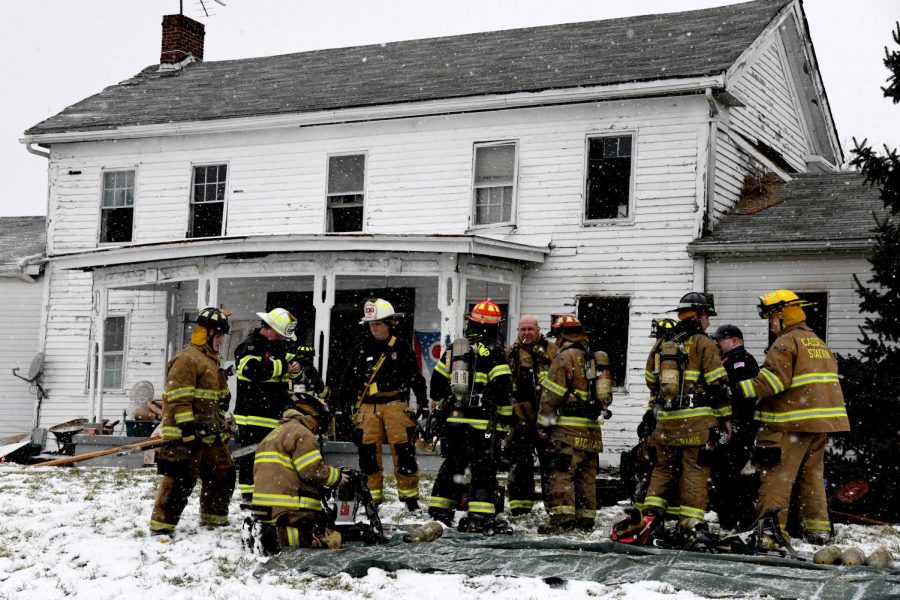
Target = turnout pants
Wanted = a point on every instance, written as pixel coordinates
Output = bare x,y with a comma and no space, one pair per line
465,447
214,467
801,469
247,435
678,471
304,529
395,423
572,478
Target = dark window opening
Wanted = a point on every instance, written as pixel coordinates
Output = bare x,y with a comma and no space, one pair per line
117,207
817,314
208,201
346,193
606,320
113,353
608,178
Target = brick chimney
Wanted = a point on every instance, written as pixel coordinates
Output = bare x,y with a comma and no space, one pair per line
181,37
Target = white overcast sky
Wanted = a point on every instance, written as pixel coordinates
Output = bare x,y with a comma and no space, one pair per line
57,52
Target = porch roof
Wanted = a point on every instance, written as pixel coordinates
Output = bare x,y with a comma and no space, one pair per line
508,247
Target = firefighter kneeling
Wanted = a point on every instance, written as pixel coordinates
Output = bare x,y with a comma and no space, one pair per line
577,391
289,474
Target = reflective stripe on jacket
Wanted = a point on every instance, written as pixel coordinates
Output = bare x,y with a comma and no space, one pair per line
561,410
195,386
798,387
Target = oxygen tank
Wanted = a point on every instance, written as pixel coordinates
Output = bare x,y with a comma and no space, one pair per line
881,559
669,369
829,555
424,533
602,380
461,368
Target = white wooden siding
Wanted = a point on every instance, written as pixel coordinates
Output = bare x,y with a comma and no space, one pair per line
771,114
21,304
737,284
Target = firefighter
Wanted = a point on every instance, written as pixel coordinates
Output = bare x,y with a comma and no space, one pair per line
529,359
194,403
290,474
733,494
798,403
265,371
377,380
471,386
688,389
569,421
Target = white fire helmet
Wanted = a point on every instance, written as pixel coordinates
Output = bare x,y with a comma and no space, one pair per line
281,321
378,310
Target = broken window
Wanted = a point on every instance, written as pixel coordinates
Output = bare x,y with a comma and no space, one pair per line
208,201
117,206
608,187
113,353
346,192
495,174
606,320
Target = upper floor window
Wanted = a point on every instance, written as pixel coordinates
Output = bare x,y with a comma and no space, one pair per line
114,353
608,187
208,201
494,183
117,206
346,192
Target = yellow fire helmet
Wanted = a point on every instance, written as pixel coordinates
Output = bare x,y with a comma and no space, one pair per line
379,310
281,321
785,302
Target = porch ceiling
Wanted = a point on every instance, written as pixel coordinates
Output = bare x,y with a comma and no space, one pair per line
510,247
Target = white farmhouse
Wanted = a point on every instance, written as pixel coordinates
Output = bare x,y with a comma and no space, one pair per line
565,168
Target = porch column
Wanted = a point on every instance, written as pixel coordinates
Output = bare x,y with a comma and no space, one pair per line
323,301
451,299
101,301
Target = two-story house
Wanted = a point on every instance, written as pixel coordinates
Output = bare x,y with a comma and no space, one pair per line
564,168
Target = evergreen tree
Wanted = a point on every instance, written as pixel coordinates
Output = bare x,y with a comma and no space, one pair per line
871,381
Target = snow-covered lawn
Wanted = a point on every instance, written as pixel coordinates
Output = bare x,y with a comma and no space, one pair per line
82,533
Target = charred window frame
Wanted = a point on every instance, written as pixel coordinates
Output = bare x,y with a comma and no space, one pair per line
115,328
494,182
608,181
345,198
606,320
208,185
117,206
817,314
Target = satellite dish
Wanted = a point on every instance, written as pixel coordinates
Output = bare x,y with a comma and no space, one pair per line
141,393
37,366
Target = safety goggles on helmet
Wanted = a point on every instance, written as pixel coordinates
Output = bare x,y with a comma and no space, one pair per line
775,301
281,321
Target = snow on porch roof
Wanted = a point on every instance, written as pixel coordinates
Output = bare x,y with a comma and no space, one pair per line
510,247
555,57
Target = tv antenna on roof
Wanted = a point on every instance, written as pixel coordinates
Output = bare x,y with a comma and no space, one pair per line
205,6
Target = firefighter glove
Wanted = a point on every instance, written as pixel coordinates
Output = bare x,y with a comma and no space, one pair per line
647,426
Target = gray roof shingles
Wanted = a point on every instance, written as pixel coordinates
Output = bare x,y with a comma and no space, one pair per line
21,237
641,48
817,207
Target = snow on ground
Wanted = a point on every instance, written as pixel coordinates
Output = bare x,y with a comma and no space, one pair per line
82,533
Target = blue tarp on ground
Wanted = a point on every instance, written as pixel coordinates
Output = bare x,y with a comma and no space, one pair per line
605,562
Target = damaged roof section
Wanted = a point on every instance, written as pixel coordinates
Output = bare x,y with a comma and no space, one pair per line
23,246
641,48
815,212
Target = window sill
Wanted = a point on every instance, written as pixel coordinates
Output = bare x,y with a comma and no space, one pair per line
608,222
505,227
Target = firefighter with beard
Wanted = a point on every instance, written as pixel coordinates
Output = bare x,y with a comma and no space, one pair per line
194,403
265,371
290,475
471,387
798,403
529,359
572,401
377,380
689,399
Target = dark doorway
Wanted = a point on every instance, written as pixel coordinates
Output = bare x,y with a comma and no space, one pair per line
346,330
606,321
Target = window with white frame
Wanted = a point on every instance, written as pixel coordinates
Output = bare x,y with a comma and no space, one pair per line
494,182
208,201
114,353
117,206
346,192
608,185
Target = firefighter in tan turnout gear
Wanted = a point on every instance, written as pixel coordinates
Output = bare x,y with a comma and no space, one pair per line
689,389
799,402
289,475
529,360
377,381
577,391
195,400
